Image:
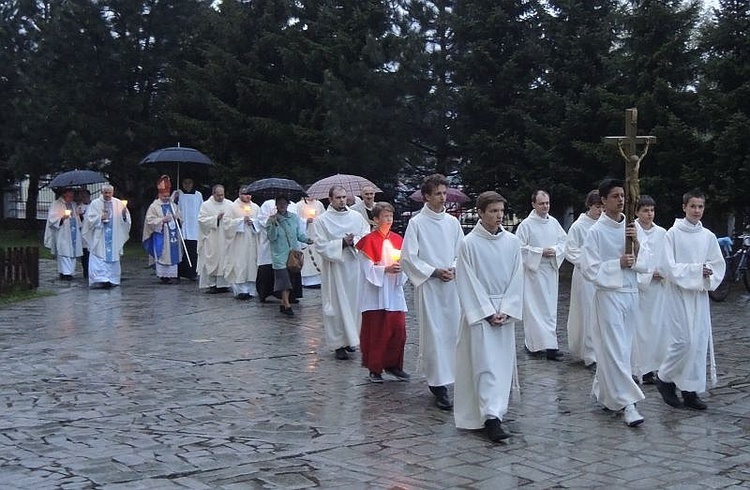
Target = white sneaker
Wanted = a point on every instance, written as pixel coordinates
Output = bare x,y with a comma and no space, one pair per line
631,416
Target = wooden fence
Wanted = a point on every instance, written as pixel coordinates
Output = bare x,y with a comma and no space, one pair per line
19,268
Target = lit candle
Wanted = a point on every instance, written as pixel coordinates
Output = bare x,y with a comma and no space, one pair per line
67,213
125,203
395,255
247,209
311,213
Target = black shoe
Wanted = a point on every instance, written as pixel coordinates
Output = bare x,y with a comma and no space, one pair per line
212,290
441,397
494,429
164,280
553,355
286,311
667,391
222,290
691,400
375,377
107,285
648,378
398,373
341,354
349,348
243,296
294,301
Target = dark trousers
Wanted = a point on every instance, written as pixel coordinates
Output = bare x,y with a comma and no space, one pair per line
85,262
264,281
184,269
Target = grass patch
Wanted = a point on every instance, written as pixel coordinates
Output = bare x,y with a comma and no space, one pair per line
19,294
23,238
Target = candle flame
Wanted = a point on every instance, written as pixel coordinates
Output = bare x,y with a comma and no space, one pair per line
396,255
125,202
67,212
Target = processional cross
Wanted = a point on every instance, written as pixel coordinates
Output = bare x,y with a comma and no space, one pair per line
628,146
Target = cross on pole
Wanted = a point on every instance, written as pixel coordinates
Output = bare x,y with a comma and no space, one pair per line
628,146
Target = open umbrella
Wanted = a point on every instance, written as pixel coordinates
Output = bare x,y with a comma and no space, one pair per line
352,183
75,178
451,195
273,186
177,155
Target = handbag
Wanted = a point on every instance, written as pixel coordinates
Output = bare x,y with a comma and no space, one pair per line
296,258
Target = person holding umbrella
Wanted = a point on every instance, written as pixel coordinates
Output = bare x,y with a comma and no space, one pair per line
62,235
161,234
106,228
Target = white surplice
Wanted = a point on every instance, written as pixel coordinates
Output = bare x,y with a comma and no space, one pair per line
431,242
541,278
489,276
649,343
212,242
241,264
615,311
63,237
687,315
340,274
580,313
106,239
310,208
190,205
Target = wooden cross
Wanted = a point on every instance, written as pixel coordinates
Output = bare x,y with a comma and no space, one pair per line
628,146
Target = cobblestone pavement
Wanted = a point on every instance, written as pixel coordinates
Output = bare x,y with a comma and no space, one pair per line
151,386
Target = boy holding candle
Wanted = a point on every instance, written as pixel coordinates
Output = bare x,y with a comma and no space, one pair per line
383,334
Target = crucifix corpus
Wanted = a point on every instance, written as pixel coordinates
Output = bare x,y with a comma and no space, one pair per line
628,146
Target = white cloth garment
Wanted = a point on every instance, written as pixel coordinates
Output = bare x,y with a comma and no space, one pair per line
62,235
649,344
615,311
241,264
489,275
687,315
106,238
190,205
431,241
212,242
340,275
541,278
309,208
580,313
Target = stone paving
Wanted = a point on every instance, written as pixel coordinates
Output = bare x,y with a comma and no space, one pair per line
160,386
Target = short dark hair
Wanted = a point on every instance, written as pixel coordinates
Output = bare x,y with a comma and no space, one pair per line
606,186
592,198
281,197
536,193
693,193
489,197
381,206
432,182
645,200
334,188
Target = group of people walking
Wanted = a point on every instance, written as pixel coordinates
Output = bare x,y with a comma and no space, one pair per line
637,315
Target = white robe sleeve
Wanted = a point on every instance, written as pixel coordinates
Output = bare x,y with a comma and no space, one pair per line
604,273
512,302
415,268
475,301
532,256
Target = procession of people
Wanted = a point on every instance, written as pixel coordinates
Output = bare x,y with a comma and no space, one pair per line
638,315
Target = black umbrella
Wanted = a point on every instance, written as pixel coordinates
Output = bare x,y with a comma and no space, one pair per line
178,155
274,186
75,178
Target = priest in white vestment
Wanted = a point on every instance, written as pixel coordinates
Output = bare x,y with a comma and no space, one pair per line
543,249
310,209
431,245
189,202
336,233
62,234
650,338
106,228
489,275
212,241
694,265
613,272
161,234
241,265
580,313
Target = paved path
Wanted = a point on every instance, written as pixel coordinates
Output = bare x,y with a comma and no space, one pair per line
149,386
